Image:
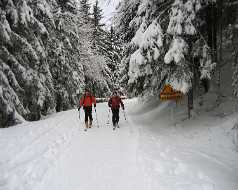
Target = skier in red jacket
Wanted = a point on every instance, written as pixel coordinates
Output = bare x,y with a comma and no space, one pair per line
86,102
114,103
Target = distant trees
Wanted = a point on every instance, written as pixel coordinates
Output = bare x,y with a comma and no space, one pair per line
47,57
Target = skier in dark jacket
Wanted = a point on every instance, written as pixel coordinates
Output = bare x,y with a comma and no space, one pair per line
86,102
114,103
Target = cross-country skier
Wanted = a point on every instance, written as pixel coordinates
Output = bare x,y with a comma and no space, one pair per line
86,102
114,103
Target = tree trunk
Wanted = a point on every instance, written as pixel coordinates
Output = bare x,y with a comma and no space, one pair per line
219,63
212,29
190,102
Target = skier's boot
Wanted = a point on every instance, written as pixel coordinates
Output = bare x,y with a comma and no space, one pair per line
86,126
117,125
114,126
90,124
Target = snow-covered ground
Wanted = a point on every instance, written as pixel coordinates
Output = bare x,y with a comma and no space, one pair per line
181,154
150,151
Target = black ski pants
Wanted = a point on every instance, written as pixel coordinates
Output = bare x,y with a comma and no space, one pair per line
88,114
115,116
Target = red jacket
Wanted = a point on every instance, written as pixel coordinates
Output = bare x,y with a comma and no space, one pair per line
87,101
114,102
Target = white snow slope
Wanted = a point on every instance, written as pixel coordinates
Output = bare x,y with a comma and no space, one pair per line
147,152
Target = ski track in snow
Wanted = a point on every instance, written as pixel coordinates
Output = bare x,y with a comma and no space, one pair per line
26,168
177,165
163,163
56,154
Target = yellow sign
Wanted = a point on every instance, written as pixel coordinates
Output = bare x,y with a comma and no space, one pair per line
168,93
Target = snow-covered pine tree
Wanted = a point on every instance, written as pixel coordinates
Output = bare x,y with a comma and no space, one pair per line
163,39
26,83
85,10
144,50
65,48
126,11
179,56
114,53
233,36
98,58
98,34
97,73
43,48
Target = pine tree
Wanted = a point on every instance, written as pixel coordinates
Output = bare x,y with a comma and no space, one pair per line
85,10
233,36
114,54
98,34
163,40
27,88
126,12
45,54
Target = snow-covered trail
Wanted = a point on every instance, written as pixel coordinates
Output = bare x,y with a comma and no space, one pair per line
100,159
57,154
146,153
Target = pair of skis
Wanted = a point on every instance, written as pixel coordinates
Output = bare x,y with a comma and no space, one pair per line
96,119
114,127
108,119
108,116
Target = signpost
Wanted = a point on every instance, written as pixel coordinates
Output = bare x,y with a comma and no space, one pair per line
168,93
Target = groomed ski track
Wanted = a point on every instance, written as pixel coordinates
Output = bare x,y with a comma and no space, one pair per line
57,154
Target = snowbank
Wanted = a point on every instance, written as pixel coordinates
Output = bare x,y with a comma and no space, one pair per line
200,153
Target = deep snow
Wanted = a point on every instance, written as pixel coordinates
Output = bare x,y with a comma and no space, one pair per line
150,151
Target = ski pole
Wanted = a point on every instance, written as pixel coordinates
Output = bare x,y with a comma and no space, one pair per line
124,114
79,117
96,117
108,117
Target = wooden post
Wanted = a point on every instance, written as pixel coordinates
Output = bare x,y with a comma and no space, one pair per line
172,110
190,102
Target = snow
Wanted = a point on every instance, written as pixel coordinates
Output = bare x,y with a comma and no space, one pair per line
139,36
5,28
186,154
45,8
177,52
135,60
182,15
149,41
180,85
25,13
150,151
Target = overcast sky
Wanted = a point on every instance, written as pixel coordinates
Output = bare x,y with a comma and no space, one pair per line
108,7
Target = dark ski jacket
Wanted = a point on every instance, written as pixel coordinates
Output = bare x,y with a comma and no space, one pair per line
115,102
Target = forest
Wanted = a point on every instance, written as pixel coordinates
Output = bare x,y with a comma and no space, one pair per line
51,50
